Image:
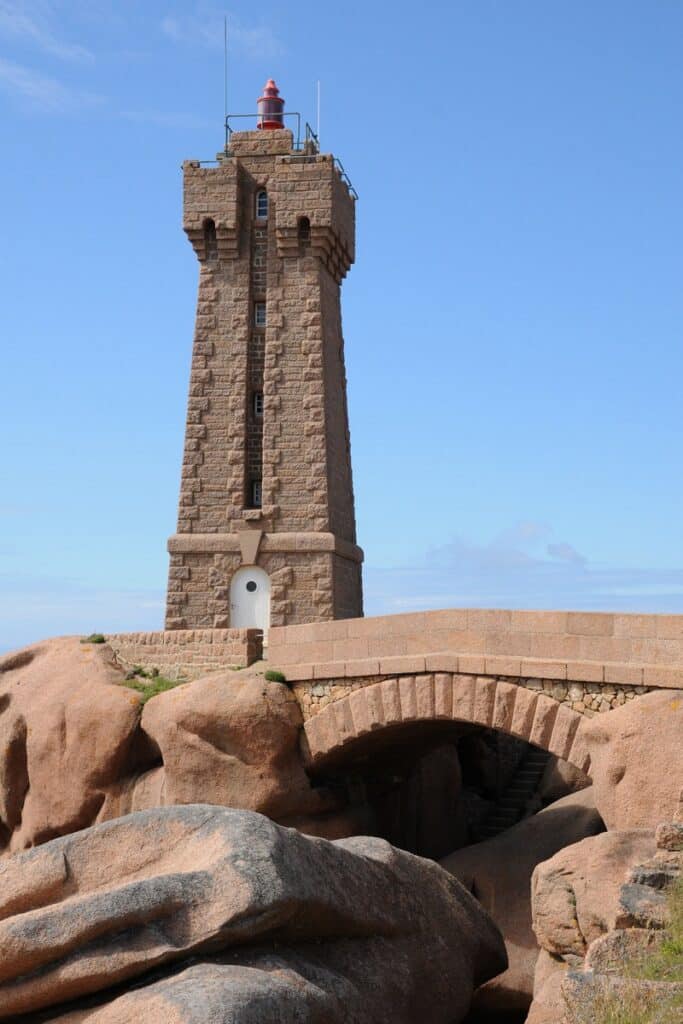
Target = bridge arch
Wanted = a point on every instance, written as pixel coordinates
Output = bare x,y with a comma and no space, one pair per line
443,697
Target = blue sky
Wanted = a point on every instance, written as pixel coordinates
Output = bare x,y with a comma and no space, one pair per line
513,323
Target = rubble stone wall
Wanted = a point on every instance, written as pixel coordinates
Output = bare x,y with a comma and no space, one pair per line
587,698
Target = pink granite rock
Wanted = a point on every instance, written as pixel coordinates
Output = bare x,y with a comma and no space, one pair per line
80,748
278,926
575,895
498,871
636,754
67,730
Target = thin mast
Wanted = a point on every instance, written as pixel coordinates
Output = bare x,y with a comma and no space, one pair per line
317,121
225,78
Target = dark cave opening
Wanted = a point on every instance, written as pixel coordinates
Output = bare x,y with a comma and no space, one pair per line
495,1017
438,789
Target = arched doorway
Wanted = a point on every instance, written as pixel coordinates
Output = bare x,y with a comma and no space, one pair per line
250,599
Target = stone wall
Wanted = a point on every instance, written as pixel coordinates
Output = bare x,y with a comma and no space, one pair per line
587,698
299,450
587,647
187,653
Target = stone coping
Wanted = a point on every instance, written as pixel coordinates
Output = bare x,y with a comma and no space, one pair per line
181,637
606,673
629,625
219,543
556,636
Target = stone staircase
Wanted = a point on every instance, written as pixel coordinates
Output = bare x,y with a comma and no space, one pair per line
511,805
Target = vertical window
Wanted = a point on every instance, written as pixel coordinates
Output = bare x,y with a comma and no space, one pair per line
210,243
260,314
304,229
256,494
262,205
257,404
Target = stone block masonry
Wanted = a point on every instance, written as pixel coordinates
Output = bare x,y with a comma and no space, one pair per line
587,699
540,651
187,653
586,647
266,478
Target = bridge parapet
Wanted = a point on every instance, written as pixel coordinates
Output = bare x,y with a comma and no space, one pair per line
591,647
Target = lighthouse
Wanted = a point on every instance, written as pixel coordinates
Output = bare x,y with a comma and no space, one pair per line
266,529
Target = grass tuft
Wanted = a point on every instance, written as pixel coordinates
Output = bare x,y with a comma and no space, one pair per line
275,677
94,638
635,1008
149,683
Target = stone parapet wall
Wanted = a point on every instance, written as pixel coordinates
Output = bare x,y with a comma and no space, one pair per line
187,653
640,650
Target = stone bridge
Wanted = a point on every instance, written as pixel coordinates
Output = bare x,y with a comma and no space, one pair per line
534,675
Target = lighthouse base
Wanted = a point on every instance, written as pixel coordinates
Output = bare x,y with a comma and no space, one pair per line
311,577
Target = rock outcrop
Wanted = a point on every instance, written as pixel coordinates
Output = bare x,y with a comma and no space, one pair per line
575,894
637,760
68,731
277,926
559,779
230,739
81,748
599,905
498,872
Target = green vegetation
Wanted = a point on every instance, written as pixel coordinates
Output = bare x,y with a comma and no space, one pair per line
94,638
148,682
275,677
636,1007
664,964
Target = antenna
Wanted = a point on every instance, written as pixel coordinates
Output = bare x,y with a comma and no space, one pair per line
317,122
225,78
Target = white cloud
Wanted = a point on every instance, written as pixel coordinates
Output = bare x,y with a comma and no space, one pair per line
204,27
565,553
32,22
42,92
520,568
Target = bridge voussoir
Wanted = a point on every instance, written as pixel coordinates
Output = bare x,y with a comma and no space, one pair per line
444,684
564,730
504,705
544,721
484,700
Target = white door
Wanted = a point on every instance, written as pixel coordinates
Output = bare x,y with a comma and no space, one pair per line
250,599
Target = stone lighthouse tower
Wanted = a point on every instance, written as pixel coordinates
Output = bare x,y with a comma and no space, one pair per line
266,525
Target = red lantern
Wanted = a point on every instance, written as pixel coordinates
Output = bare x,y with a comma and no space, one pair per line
270,106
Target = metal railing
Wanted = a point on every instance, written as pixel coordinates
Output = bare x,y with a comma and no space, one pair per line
308,147
285,114
344,177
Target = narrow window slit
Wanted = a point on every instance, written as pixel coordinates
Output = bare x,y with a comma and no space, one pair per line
210,240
